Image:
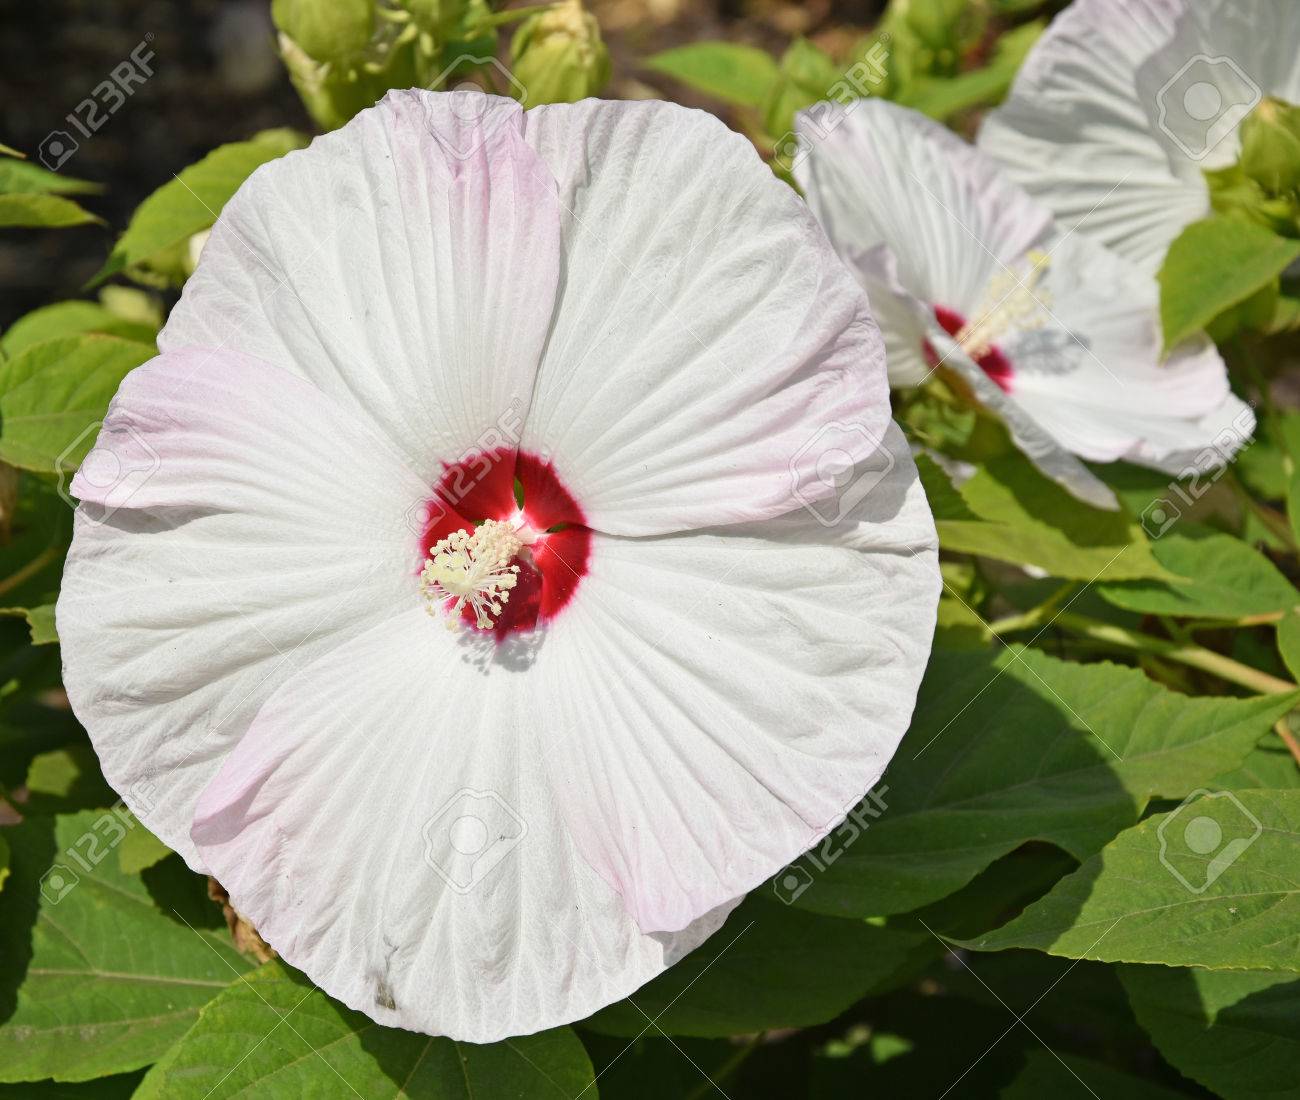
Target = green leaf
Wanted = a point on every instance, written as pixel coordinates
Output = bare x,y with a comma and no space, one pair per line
43,212
1026,518
1067,1077
111,981
768,966
40,620
1214,265
191,202
807,74
1269,766
70,319
1018,746
276,1036
1288,641
25,178
725,70
67,779
4,861
53,394
1226,579
140,849
1213,883
1233,1031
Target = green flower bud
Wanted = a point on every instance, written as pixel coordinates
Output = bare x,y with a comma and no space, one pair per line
1270,146
325,30
937,23
558,55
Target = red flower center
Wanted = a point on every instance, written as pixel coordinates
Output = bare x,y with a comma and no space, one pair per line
523,490
996,365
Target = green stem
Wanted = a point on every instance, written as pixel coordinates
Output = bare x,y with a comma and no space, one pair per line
1194,656
44,558
727,1068
1030,619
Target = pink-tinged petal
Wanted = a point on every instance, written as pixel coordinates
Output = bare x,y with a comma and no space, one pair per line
877,174
705,332
715,702
409,757
235,523
406,263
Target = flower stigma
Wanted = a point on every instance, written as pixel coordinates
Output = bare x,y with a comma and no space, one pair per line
1011,305
472,569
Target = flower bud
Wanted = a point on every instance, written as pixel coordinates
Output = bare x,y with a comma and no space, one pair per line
559,56
1270,146
325,30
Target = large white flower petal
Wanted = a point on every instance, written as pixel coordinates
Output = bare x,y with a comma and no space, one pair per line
1102,388
386,827
705,332
715,702
235,523
880,174
405,263
1099,125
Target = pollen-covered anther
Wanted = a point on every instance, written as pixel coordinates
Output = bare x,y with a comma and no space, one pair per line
1011,304
472,569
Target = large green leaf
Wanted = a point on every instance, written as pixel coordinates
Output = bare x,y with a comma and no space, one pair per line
69,319
1214,265
192,201
54,393
25,210
1225,579
276,1036
726,70
1067,1077
1013,513
1018,746
1270,766
1235,1031
768,966
1213,883
110,981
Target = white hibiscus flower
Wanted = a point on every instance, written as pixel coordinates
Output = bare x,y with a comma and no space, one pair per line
1047,329
565,379
1123,105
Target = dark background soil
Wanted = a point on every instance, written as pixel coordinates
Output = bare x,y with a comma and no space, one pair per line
217,78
